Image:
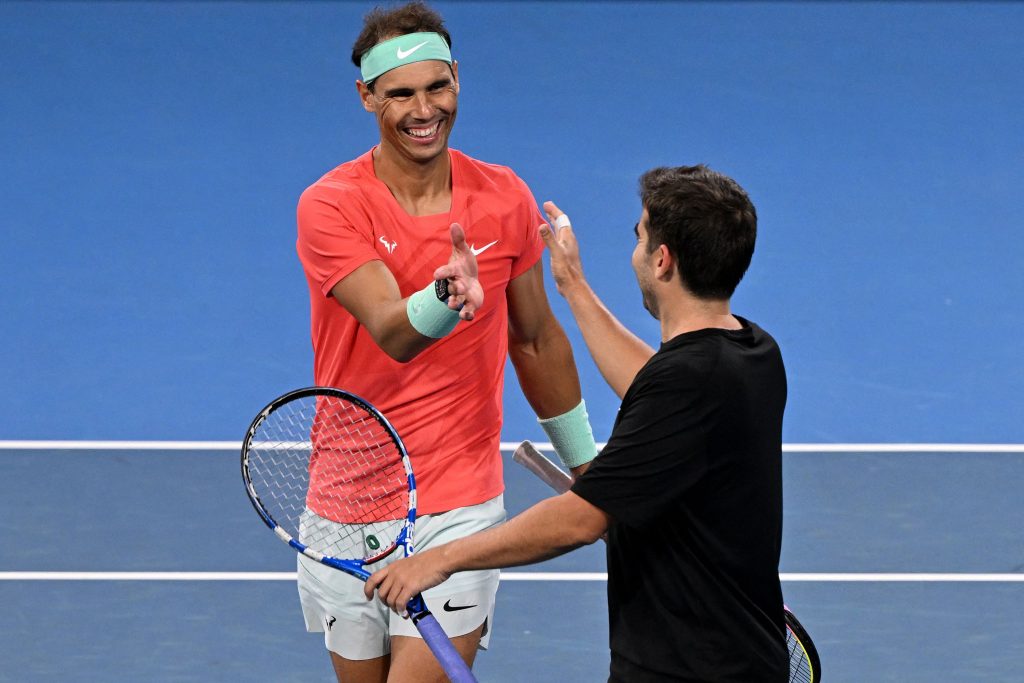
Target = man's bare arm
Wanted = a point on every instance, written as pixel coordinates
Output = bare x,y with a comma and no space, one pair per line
618,353
551,528
371,294
540,351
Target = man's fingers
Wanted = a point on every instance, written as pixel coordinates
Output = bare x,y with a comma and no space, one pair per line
450,272
559,219
547,235
552,210
558,239
395,602
371,583
458,237
388,593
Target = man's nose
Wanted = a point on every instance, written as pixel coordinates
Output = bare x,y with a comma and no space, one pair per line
423,108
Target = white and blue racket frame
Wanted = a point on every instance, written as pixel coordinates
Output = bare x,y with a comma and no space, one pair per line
433,635
417,606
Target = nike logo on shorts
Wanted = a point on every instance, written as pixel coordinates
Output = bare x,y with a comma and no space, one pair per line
448,607
402,54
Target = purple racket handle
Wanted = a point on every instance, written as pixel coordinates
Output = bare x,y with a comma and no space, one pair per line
443,649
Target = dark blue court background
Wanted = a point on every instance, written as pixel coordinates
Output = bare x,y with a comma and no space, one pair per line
152,153
150,158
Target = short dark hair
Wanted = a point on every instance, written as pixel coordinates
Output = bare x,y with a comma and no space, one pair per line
708,223
382,24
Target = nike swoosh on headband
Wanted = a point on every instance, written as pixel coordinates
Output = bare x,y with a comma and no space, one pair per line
402,54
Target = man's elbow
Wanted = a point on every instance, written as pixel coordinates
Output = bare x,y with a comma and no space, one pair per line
398,347
396,351
523,351
534,340
590,536
402,355
590,530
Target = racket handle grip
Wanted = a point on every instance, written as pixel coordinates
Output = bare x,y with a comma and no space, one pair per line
436,639
548,472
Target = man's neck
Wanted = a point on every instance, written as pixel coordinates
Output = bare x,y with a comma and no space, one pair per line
685,313
422,189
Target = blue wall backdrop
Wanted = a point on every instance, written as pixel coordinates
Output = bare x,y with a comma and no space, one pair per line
151,155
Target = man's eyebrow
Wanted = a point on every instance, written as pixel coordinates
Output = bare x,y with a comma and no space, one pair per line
636,230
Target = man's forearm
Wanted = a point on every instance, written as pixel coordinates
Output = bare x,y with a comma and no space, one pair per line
372,296
551,528
618,353
546,371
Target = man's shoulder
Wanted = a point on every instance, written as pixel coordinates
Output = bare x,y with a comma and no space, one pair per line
715,356
761,341
482,173
757,332
345,179
712,340
687,360
689,351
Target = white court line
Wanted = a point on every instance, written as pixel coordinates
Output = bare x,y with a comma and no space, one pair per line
911,577
511,446
905,578
903,448
121,445
147,576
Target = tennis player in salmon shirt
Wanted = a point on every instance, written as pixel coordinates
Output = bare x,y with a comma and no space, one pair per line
424,272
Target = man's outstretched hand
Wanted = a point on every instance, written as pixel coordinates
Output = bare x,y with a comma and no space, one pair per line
466,292
566,267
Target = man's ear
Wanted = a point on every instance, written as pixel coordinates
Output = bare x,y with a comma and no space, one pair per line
664,263
365,96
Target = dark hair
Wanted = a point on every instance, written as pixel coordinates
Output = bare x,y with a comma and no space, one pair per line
382,24
707,222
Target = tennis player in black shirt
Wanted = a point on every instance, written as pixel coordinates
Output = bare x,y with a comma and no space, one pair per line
689,487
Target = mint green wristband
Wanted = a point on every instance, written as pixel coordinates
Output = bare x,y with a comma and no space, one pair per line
430,316
571,436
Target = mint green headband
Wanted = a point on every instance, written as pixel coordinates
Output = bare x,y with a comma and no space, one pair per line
396,52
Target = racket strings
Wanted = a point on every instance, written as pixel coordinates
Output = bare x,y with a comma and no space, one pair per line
799,664
330,474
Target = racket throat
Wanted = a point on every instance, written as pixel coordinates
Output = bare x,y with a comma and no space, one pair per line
381,555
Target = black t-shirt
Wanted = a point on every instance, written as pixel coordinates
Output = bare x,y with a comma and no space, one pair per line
692,479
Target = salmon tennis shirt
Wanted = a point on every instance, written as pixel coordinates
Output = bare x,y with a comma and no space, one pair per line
445,403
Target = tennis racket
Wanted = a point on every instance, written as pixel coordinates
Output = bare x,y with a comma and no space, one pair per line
804,665
331,477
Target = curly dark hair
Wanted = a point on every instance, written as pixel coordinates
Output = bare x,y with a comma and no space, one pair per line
381,24
708,223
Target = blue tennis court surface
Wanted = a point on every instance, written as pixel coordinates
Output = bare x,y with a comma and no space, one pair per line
856,564
152,154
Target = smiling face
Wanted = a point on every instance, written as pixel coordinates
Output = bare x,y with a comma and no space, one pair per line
415,106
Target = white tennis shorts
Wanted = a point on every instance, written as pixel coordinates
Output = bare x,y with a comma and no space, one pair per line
333,601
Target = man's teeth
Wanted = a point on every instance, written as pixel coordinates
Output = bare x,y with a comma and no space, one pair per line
423,132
